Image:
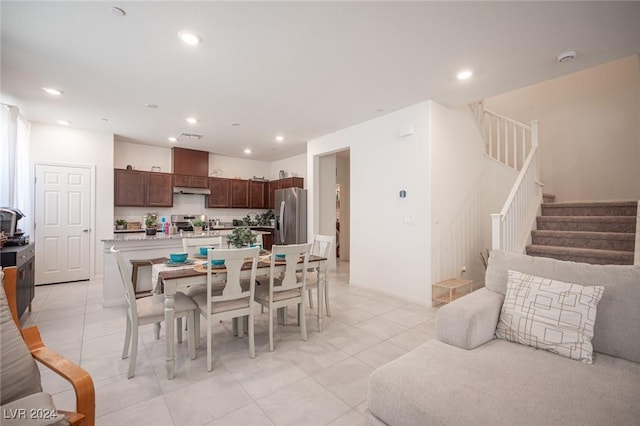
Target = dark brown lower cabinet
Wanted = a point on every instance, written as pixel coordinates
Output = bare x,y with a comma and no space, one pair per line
24,259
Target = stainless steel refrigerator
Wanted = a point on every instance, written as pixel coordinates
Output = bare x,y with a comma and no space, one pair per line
291,216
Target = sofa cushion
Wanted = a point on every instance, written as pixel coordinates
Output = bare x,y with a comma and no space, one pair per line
19,374
503,383
550,314
617,311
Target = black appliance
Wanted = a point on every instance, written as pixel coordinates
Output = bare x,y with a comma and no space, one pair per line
9,218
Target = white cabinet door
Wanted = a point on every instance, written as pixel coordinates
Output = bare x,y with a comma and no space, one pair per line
62,219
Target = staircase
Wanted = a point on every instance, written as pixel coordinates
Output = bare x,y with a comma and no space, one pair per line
597,233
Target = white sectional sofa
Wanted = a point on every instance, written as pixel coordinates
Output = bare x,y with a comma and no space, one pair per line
469,377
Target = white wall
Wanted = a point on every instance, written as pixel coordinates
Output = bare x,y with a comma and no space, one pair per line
387,253
239,167
457,167
589,130
141,157
65,146
296,165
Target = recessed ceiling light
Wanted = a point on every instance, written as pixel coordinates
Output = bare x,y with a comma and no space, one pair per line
190,38
567,56
235,123
64,122
117,11
173,139
465,74
152,106
51,91
104,119
280,138
247,151
380,110
191,120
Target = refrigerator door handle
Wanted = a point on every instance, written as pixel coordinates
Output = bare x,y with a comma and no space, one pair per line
282,221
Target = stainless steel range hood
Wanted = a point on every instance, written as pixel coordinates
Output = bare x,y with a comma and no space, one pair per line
186,190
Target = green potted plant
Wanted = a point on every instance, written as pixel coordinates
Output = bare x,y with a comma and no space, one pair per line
150,221
241,237
197,226
121,224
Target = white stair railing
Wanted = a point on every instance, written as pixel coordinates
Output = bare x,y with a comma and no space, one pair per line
636,253
507,140
512,226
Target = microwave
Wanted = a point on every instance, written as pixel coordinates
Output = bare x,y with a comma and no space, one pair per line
9,218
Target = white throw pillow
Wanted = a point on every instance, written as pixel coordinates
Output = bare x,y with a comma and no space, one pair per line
549,314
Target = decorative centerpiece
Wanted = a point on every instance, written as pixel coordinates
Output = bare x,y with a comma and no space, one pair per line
197,226
150,223
265,219
241,237
121,224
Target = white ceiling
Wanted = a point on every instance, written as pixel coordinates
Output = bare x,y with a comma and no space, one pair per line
300,69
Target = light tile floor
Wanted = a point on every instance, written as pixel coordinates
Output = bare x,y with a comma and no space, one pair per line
322,381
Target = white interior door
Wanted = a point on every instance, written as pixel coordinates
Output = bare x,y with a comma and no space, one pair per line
62,219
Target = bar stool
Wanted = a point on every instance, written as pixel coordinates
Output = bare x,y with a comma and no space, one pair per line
138,263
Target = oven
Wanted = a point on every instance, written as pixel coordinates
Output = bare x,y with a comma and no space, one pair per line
183,221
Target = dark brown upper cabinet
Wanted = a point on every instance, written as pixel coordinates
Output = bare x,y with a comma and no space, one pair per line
191,181
189,162
258,192
239,193
220,193
135,188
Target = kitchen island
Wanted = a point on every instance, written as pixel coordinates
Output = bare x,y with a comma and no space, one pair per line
142,246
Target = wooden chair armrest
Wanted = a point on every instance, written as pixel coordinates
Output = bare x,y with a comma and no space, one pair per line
73,373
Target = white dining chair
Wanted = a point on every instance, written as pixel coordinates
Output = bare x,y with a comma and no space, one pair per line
191,246
234,300
322,246
288,287
150,310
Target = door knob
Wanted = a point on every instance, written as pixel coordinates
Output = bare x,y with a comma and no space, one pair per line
85,230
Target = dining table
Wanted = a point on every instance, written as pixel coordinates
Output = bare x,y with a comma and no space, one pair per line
168,278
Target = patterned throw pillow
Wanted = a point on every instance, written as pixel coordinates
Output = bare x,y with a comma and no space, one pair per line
551,315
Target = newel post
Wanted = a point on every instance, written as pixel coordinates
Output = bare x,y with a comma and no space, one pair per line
534,132
496,231
534,144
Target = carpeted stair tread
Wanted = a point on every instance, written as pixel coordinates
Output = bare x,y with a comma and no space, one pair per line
593,256
592,240
588,223
609,208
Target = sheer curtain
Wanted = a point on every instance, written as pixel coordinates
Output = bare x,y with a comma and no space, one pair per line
15,188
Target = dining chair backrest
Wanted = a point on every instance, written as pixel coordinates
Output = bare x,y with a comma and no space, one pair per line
322,245
290,280
234,259
127,284
192,246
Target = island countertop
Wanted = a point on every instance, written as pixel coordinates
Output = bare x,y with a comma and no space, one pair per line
140,236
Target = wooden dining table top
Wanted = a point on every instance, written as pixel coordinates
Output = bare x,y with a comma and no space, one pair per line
192,272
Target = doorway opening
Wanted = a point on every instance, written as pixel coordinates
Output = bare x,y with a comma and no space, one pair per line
334,204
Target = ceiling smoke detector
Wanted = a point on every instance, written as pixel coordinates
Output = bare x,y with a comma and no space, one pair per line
567,56
191,136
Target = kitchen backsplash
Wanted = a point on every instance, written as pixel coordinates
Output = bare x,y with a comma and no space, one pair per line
135,214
